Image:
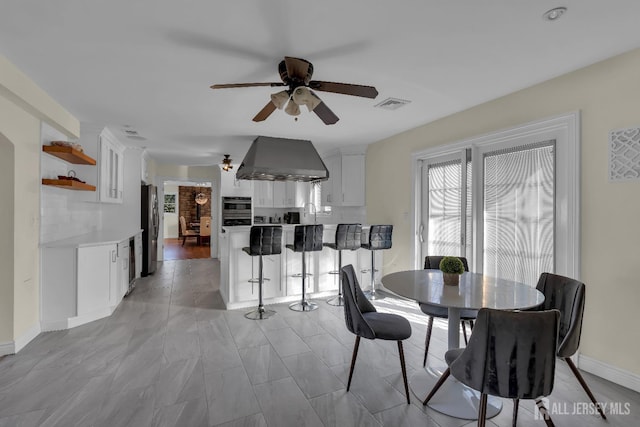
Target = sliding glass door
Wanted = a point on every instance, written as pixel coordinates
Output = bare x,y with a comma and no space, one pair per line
508,201
518,210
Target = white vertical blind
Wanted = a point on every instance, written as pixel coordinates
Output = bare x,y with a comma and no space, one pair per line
519,194
445,196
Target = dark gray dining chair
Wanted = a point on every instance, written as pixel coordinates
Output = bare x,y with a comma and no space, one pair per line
567,295
510,354
364,321
433,262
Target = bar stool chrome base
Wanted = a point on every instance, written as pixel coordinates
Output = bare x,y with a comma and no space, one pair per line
338,300
259,313
303,306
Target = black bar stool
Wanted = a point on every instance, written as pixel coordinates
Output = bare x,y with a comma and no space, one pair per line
379,239
348,237
307,238
263,240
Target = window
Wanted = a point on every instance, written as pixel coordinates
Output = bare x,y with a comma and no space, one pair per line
315,197
170,203
518,215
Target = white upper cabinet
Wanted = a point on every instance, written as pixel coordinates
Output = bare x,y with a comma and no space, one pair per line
232,187
111,178
345,186
263,194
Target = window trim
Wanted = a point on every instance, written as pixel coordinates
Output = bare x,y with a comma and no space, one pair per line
565,129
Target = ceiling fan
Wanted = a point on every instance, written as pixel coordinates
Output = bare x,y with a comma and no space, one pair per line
296,74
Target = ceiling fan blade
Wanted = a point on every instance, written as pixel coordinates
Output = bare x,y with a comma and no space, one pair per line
344,88
325,114
234,85
298,68
265,112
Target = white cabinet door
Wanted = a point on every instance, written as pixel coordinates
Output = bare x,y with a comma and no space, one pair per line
263,194
330,188
353,179
138,253
123,272
111,179
280,195
97,277
232,187
241,269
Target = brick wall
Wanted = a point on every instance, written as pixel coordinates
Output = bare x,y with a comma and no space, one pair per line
187,203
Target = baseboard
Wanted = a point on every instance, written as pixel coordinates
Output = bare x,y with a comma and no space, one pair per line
13,347
609,372
7,348
27,337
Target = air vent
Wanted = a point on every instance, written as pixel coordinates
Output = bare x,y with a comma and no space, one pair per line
137,137
392,103
131,132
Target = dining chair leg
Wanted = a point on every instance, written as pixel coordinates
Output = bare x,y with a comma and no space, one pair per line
545,414
404,371
516,404
184,238
464,332
584,385
427,340
482,410
353,360
435,388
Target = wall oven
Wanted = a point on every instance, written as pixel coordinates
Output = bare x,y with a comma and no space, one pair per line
236,211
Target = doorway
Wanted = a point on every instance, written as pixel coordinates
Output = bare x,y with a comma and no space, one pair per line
188,208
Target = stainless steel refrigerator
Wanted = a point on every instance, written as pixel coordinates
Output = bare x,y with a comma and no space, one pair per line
149,221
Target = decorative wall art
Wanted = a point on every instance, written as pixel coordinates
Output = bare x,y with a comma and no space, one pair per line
624,154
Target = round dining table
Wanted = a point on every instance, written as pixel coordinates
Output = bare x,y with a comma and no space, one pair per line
475,291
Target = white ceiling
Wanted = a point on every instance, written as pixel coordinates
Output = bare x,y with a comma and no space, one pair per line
148,64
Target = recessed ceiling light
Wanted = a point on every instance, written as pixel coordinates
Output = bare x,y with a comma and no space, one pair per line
554,14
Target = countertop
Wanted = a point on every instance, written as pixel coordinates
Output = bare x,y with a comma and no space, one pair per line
100,237
246,228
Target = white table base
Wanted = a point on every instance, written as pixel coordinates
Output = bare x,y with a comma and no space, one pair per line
453,398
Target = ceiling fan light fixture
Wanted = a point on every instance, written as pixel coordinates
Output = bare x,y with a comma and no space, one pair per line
303,96
280,99
226,163
292,109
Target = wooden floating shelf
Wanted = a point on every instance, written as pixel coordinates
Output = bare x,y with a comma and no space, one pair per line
69,154
68,184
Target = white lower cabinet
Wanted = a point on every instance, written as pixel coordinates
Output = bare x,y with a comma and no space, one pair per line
82,282
97,278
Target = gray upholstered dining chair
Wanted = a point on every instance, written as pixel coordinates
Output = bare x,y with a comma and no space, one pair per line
567,295
364,321
510,354
433,262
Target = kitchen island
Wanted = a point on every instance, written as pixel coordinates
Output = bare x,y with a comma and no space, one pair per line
237,269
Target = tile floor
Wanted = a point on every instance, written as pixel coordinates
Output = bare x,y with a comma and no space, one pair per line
170,356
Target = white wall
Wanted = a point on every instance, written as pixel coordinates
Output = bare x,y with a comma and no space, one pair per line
23,106
171,219
607,95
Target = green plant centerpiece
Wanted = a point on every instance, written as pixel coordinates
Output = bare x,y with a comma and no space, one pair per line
452,268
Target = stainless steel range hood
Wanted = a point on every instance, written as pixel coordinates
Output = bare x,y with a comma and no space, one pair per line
281,159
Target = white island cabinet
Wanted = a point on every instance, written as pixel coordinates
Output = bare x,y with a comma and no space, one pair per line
84,278
237,269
